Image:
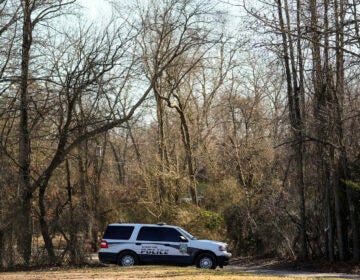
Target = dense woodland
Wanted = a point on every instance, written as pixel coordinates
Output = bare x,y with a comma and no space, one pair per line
242,127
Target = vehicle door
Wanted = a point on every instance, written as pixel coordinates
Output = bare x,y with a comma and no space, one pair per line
178,246
161,245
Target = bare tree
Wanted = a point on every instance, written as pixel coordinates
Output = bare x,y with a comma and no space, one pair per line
81,94
174,34
43,11
291,54
324,30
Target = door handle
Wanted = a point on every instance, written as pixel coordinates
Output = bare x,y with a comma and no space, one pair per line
137,243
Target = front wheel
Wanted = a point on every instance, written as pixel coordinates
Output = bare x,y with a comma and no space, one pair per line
127,259
206,261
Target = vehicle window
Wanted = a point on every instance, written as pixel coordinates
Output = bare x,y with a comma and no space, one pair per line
149,234
170,235
186,234
118,232
159,234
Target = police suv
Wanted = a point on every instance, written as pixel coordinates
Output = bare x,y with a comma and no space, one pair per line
132,244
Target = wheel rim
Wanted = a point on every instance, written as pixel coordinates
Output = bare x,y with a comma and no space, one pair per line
206,262
127,260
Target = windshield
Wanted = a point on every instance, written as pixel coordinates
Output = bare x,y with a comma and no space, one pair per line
186,234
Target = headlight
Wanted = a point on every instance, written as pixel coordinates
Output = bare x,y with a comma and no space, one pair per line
222,248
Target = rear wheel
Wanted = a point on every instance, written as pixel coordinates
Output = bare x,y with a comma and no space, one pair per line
127,258
206,261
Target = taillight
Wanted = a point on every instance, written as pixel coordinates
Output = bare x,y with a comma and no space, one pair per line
103,244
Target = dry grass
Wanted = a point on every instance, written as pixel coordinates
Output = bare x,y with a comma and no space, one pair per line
140,272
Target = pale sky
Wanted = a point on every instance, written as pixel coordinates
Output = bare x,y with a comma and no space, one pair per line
101,10
96,9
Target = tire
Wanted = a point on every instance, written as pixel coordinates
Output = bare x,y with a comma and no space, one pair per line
206,261
127,258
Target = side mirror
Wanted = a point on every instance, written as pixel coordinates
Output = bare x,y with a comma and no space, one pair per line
183,239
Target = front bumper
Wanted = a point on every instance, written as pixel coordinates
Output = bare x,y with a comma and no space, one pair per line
223,260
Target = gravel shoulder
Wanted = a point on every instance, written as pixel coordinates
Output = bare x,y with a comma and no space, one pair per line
287,273
294,269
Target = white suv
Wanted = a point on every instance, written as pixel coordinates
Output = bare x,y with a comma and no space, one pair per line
132,244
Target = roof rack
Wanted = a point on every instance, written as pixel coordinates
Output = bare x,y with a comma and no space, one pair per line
161,224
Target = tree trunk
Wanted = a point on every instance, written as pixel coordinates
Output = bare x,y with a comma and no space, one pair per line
189,158
162,149
135,145
338,100
25,235
338,212
2,235
326,170
95,195
301,189
73,230
295,96
119,163
329,230
350,195
45,228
